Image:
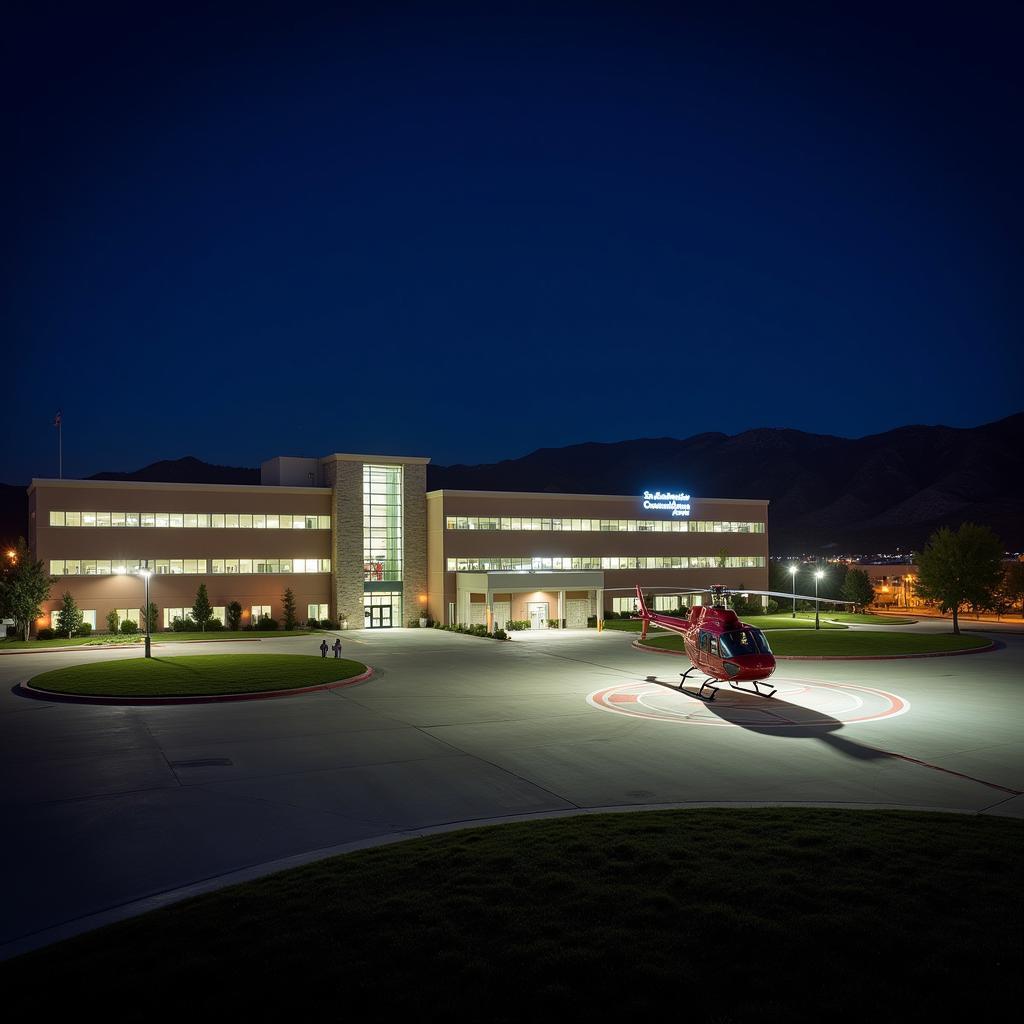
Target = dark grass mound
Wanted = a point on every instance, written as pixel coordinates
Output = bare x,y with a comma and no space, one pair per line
726,915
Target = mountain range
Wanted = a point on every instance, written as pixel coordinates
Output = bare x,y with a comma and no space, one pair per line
861,495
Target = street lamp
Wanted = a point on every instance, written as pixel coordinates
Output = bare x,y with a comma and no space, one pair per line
817,576
792,573
145,572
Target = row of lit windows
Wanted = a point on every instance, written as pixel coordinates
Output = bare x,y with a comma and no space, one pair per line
194,520
546,523
185,566
595,562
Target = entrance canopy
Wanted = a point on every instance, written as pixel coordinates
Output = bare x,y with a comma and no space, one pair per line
566,599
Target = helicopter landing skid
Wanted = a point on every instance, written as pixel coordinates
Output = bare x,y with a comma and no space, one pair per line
706,685
736,686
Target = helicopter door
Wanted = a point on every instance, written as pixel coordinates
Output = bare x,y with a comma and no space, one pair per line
705,647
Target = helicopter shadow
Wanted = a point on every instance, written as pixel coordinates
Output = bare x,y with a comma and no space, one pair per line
770,716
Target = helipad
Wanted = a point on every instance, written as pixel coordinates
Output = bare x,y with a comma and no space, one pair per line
797,704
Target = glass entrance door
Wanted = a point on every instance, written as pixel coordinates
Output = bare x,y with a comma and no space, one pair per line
380,616
538,612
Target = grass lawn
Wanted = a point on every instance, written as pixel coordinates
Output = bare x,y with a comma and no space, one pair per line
762,621
862,618
158,638
223,634
195,675
808,642
75,641
730,915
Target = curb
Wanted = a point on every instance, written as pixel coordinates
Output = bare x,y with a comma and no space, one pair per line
840,657
24,690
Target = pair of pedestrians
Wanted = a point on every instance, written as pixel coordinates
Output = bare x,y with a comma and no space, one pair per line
336,647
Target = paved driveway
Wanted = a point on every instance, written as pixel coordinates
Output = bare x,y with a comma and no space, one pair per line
103,806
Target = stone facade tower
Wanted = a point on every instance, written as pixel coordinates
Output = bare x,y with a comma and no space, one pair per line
397,583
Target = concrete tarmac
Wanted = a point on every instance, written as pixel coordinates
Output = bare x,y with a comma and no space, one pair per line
104,806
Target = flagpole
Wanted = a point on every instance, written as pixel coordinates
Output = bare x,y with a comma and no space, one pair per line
60,447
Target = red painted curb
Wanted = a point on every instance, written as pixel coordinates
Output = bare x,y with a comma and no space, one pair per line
70,698
838,657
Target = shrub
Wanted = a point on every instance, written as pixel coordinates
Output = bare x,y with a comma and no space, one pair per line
312,624
182,625
328,624
414,623
129,627
773,606
214,626
233,614
517,624
112,621
265,622
500,634
288,607
84,629
45,634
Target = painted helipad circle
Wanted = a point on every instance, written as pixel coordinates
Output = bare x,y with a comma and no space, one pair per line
797,704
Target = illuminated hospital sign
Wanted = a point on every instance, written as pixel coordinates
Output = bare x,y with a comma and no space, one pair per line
668,501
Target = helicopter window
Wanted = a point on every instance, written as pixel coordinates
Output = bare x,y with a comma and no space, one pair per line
744,641
705,641
714,646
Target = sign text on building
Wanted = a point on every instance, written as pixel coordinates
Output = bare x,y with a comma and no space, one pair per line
669,501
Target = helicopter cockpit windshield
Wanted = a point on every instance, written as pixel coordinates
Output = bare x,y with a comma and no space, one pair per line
743,641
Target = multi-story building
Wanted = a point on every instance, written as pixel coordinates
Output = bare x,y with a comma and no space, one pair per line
358,539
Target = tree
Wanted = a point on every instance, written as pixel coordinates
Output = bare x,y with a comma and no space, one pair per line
960,568
69,618
233,613
151,617
1013,584
24,586
858,588
202,611
113,621
288,606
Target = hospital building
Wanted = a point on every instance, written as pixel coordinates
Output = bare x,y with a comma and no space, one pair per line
359,539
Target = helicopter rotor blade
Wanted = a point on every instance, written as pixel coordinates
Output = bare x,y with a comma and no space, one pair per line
799,597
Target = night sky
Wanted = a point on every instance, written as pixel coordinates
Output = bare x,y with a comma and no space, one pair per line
473,233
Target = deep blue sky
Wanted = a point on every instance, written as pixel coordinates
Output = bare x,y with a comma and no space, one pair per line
474,233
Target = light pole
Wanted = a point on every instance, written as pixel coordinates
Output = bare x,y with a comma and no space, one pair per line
145,572
792,573
817,576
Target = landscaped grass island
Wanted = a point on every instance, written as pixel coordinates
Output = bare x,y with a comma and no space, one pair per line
781,914
166,637
761,621
198,675
865,643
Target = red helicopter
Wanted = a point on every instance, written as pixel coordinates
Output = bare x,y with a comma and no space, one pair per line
717,642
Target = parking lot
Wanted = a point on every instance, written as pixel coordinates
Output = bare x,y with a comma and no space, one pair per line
106,806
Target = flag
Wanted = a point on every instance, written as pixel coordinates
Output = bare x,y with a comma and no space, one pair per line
56,419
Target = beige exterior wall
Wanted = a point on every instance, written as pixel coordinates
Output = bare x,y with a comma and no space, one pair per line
444,544
102,594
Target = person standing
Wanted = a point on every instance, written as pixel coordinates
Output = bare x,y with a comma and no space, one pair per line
337,647
323,648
